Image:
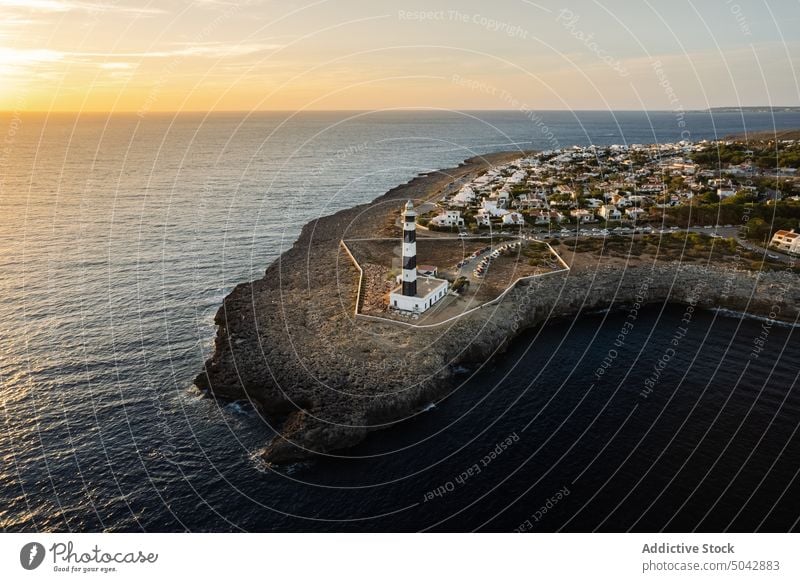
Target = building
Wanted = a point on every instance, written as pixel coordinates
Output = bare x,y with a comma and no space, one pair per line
610,212
582,215
491,208
429,292
635,213
593,203
427,270
620,199
513,219
503,197
517,177
483,218
638,200
523,201
465,197
546,217
449,218
415,294
787,241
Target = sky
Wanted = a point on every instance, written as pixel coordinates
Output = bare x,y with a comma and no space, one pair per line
212,55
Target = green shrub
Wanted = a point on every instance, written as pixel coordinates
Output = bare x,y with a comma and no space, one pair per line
460,285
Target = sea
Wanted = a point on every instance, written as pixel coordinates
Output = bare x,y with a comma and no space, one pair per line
121,234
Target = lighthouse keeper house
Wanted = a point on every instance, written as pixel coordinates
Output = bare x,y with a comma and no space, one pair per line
415,294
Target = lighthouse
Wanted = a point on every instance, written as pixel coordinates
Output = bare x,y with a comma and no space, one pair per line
415,294
409,250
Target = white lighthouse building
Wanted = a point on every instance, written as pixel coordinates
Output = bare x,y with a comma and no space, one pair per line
415,294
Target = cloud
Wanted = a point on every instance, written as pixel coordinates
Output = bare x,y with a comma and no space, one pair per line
75,5
215,3
119,66
15,57
207,50
11,25
18,64
36,5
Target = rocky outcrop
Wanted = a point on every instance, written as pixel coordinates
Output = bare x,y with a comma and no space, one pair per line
290,344
376,286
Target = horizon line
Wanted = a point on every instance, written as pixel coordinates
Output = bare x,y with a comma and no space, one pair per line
382,110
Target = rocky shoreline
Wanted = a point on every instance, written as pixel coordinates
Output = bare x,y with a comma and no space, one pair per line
290,344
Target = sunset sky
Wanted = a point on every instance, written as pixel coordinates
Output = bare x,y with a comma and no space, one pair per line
170,55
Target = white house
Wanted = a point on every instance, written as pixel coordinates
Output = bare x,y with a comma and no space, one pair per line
582,215
448,218
464,197
491,208
610,212
545,217
483,218
513,218
593,203
787,241
725,193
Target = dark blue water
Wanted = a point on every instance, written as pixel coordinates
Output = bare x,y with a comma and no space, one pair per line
121,236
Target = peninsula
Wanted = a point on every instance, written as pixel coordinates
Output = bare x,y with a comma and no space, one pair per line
316,347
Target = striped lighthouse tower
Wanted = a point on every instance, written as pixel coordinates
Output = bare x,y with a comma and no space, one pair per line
409,250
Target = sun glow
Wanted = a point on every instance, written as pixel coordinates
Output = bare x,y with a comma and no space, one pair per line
213,54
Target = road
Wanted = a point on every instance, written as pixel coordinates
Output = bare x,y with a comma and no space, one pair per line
773,254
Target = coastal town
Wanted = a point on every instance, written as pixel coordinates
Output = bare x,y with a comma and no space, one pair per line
617,188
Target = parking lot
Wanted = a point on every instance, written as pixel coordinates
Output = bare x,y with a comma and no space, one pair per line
718,231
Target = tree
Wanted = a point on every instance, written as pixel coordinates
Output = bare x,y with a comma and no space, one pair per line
741,197
758,229
676,183
708,197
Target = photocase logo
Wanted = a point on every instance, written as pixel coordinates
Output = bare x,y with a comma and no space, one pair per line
31,555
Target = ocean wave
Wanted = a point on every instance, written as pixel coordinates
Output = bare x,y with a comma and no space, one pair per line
739,314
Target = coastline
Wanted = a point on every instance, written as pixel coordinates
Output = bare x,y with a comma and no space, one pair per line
290,345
